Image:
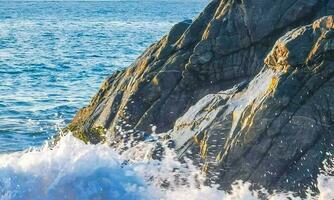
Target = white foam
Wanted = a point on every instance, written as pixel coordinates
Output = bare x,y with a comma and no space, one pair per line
74,170
70,170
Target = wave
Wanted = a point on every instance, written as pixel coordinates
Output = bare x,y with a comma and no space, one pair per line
72,169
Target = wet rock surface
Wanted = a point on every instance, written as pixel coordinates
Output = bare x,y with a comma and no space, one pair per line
245,90
276,131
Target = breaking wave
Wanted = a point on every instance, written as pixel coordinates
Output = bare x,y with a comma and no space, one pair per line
72,169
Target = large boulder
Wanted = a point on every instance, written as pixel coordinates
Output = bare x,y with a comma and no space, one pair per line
225,45
278,129
242,101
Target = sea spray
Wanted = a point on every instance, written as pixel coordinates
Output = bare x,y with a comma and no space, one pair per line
69,170
72,169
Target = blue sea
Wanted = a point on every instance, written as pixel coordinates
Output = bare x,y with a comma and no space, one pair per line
54,55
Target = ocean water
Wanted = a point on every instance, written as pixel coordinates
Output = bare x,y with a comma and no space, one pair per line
73,170
54,56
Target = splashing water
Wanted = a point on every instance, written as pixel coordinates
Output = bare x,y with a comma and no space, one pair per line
75,170
55,54
70,170
52,57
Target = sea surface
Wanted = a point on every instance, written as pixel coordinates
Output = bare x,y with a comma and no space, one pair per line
54,55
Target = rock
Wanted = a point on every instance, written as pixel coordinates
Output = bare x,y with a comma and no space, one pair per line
223,46
279,128
244,114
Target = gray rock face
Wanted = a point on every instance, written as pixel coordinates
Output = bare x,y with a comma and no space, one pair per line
207,83
279,128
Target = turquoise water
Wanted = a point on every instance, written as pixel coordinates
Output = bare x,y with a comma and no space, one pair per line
54,56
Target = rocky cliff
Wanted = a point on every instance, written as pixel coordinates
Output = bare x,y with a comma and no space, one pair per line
245,90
